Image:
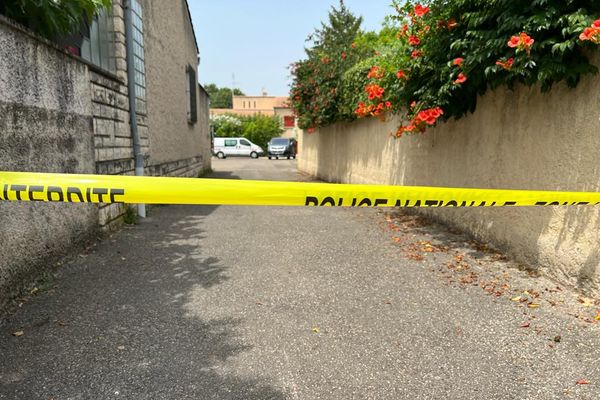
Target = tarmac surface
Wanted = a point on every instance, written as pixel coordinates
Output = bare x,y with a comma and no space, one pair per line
224,302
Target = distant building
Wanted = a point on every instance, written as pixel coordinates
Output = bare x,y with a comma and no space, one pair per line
265,105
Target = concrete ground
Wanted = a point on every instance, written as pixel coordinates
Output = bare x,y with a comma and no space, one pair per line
296,303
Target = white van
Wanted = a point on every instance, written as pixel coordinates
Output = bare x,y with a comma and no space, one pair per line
223,147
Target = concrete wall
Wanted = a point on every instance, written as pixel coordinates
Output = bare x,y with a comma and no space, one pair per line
170,48
515,140
45,126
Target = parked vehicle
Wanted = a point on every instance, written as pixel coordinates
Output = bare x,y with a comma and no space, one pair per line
223,147
282,147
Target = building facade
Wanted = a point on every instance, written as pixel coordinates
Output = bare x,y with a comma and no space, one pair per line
266,105
65,107
167,97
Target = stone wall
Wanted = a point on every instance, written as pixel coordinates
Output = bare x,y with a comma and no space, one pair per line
113,142
60,113
171,146
45,126
519,139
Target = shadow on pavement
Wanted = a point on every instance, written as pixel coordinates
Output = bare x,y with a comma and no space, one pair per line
114,324
222,175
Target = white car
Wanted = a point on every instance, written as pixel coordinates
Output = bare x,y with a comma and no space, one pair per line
223,147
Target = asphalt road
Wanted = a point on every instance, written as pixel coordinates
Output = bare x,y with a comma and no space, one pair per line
296,303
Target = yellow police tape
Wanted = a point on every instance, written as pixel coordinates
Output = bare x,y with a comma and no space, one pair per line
24,186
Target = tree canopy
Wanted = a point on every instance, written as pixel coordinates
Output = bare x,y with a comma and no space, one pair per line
315,92
221,97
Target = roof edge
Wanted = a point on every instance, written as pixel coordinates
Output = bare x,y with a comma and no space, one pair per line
187,6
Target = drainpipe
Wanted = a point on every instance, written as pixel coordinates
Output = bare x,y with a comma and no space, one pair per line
137,151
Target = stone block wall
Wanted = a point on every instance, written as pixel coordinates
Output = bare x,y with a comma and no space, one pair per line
60,113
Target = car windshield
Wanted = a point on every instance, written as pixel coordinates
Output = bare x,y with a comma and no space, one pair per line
279,142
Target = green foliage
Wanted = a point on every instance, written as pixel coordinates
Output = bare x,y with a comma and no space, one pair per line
317,79
227,125
415,52
221,97
480,36
52,18
130,217
259,129
335,35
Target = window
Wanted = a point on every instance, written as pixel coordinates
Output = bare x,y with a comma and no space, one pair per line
244,105
138,51
230,142
190,94
244,142
289,121
93,42
255,105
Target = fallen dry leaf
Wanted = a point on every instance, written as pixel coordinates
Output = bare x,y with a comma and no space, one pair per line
415,257
526,324
533,305
18,333
582,382
120,348
316,329
387,301
586,302
597,317
469,278
518,298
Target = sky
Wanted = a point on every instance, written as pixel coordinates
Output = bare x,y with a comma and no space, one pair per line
256,40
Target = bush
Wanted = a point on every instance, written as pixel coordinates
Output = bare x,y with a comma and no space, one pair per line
431,61
260,129
227,125
460,49
315,92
